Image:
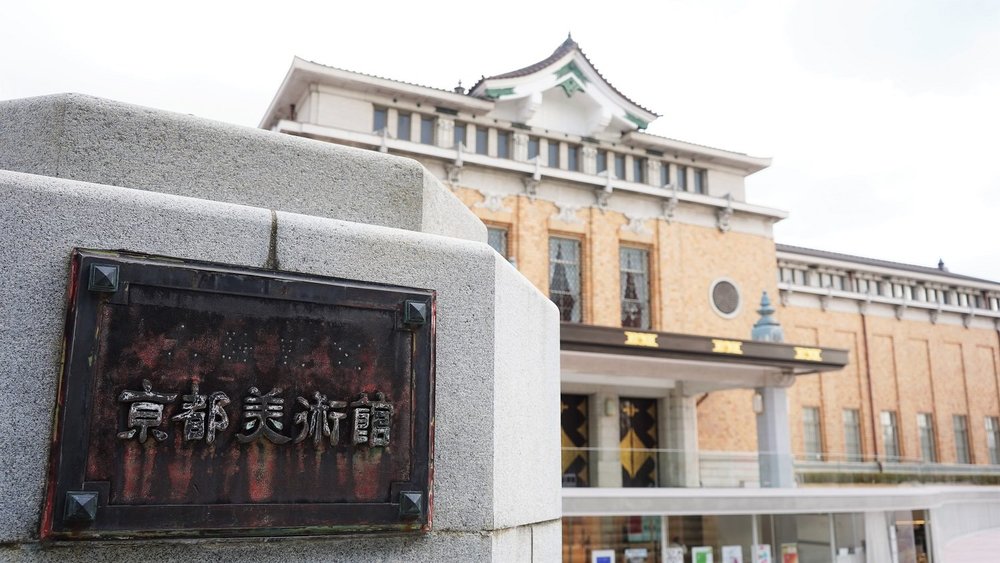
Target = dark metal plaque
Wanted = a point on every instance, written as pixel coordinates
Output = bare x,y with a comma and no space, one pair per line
205,400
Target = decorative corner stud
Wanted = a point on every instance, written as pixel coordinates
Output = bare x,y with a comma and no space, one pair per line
411,504
103,278
415,313
81,506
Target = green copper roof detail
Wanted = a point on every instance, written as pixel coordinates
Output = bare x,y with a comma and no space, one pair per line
569,68
494,93
570,86
639,123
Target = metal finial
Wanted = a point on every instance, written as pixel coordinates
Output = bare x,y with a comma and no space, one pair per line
767,328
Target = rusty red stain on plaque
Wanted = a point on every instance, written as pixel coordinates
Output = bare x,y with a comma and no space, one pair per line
202,399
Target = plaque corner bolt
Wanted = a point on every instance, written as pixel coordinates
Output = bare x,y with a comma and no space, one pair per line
103,278
411,504
415,312
81,506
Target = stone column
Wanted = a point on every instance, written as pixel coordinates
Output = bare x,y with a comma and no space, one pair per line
679,465
605,461
520,149
589,164
445,134
774,444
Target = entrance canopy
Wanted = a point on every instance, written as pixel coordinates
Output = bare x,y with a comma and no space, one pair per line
645,359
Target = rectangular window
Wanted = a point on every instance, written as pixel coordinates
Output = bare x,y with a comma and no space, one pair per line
811,434
890,435
403,122
564,278
482,140
664,174
634,287
852,434
533,147
427,130
496,237
573,158
620,166
925,427
993,439
682,178
700,181
459,134
503,144
381,119
960,422
638,169
602,161
553,154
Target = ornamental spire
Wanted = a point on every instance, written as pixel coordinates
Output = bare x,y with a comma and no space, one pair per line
767,328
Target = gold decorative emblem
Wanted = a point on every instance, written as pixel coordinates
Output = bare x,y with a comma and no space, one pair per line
641,339
727,346
808,354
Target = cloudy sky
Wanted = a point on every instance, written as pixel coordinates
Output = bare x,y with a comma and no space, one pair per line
882,117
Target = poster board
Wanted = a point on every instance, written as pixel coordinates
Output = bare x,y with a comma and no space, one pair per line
763,553
702,554
789,553
602,556
732,554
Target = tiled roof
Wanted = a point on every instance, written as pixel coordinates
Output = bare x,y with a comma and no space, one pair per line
567,46
875,262
380,77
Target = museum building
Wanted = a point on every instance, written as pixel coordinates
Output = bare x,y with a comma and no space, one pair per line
718,389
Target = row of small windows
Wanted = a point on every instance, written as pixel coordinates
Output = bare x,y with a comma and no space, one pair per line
565,278
687,178
910,291
813,438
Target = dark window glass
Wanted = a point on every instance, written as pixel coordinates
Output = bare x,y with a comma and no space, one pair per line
564,277
533,147
620,166
459,134
427,130
811,433
961,424
573,158
682,181
634,267
602,161
852,434
638,169
925,427
381,119
496,237
890,435
503,144
993,439
482,140
403,126
553,154
664,173
699,181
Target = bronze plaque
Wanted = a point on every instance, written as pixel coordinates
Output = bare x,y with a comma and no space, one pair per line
201,399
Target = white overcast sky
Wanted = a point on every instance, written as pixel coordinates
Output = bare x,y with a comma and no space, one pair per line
882,117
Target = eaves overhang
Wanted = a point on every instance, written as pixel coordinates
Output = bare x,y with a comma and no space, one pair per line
696,152
789,359
302,74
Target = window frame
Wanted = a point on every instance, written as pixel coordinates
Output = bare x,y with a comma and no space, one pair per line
643,302
812,449
853,447
575,314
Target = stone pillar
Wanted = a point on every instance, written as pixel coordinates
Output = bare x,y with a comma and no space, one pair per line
589,156
520,148
774,445
679,466
445,133
605,462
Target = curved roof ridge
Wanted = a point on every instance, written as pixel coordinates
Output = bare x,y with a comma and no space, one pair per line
567,46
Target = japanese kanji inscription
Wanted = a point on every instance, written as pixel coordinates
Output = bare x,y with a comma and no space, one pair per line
202,399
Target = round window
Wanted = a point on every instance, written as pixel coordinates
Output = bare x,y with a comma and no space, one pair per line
725,298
